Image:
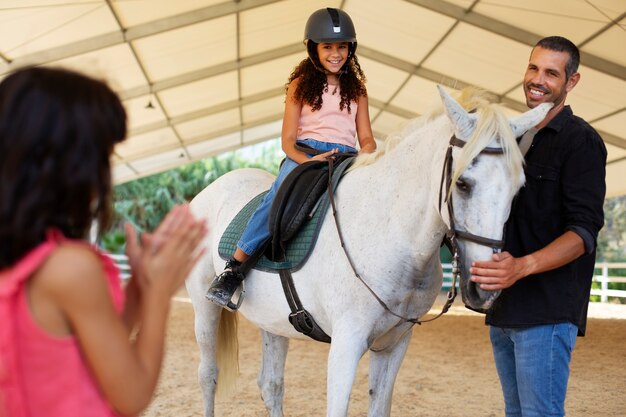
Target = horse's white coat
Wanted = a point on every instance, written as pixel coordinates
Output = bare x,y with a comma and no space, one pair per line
392,227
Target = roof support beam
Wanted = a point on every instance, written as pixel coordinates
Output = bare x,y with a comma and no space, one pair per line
227,131
135,32
208,111
279,52
516,34
211,71
456,84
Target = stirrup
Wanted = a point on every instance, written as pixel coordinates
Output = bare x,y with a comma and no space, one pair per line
234,307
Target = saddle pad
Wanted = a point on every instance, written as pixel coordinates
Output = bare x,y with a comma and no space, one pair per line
298,248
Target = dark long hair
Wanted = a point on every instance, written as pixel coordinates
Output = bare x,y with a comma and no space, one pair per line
313,80
57,132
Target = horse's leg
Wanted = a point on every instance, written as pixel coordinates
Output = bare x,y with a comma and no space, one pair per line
384,367
206,325
271,379
346,349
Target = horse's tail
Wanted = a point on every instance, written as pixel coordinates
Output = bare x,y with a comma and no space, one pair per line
227,354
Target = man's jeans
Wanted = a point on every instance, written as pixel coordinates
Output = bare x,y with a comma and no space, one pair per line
533,365
257,230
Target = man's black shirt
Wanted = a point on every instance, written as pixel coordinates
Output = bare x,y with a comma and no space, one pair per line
564,190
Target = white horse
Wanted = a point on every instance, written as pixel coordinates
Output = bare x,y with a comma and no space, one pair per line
389,212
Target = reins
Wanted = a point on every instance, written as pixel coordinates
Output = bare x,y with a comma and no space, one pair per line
451,235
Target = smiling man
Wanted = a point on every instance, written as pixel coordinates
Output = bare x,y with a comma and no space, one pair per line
546,269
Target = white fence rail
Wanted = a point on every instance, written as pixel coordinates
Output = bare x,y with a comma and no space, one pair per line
604,279
122,263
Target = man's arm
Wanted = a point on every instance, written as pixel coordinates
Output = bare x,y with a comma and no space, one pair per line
504,270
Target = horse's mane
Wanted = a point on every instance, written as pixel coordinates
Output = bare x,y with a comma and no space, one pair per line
492,122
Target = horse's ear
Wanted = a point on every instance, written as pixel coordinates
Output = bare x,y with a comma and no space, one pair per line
523,122
464,122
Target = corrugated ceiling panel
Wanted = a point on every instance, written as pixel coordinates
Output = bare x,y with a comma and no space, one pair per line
135,12
26,28
604,45
577,21
275,25
122,173
200,94
139,114
398,28
205,126
160,162
189,48
264,108
265,132
615,174
478,57
382,80
597,94
418,96
147,143
214,146
115,64
613,152
268,75
613,124
388,122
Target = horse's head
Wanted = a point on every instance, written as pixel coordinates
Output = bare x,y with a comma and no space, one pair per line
483,172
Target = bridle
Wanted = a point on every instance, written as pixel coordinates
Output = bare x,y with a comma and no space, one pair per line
452,235
446,177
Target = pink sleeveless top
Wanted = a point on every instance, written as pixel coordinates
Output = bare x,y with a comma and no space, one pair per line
329,124
41,374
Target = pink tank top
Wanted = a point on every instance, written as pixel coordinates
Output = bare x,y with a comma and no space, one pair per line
329,124
40,374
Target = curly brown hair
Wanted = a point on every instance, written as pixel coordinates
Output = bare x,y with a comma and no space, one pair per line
313,82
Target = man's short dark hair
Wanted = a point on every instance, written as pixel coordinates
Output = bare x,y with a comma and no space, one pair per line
561,44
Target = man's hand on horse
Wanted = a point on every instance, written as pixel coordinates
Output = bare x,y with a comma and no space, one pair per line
502,271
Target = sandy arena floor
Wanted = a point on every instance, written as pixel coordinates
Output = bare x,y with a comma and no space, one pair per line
448,371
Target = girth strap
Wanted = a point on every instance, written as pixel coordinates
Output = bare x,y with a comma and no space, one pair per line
299,318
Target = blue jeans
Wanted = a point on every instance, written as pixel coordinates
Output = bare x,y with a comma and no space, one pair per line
533,366
257,230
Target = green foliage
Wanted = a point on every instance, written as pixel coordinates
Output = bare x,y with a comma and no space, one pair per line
144,202
612,237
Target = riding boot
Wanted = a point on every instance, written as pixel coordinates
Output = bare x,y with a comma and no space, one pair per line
225,284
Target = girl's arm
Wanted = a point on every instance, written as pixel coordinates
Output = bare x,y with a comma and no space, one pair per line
126,372
131,305
289,133
364,127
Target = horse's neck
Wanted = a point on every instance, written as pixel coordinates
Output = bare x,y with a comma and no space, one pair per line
396,197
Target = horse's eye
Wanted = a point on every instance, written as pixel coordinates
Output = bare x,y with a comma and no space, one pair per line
463,186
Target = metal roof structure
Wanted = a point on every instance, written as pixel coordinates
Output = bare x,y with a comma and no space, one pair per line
201,77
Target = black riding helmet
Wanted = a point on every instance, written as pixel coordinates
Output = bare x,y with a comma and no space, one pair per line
329,25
